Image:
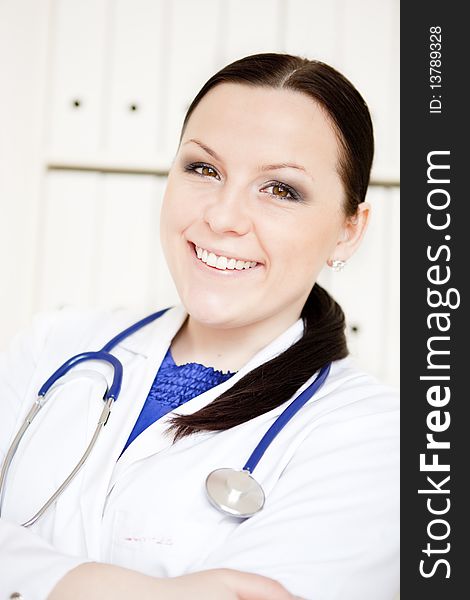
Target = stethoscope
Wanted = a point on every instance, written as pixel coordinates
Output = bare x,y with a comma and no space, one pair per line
233,492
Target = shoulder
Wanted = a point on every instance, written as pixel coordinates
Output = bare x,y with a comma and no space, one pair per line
354,392
73,329
62,330
88,321
55,334
355,416
346,453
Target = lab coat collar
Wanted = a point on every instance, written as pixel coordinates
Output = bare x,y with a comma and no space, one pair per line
160,331
164,329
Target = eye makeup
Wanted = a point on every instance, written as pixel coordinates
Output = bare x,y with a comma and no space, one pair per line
281,190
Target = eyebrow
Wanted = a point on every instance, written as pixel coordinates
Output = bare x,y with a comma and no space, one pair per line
271,167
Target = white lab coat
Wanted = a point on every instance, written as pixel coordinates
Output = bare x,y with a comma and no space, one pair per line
329,528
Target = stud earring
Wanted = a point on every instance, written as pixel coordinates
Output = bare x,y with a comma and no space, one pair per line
336,265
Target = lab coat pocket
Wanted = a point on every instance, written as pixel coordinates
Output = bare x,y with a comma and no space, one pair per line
164,545
142,541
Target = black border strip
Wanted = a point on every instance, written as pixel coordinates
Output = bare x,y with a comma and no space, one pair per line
433,258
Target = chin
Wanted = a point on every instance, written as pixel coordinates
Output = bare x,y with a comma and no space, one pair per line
215,312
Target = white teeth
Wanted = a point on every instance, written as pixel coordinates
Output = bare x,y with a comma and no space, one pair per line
211,259
223,262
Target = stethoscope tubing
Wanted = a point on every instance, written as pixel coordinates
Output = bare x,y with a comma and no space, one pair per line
114,389
284,418
101,423
110,396
132,329
104,355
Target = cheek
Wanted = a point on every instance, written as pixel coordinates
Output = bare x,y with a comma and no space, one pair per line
170,215
164,217
172,212
180,203
307,242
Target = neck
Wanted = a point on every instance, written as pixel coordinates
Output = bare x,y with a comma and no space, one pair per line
227,349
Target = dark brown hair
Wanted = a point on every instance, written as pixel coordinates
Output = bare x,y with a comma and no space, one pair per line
323,340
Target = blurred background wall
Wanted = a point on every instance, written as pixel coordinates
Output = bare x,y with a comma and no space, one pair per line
93,95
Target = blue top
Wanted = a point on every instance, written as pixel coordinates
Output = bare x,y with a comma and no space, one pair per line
173,386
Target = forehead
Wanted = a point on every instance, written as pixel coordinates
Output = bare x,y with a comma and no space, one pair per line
264,123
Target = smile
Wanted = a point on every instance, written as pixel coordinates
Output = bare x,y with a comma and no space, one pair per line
223,262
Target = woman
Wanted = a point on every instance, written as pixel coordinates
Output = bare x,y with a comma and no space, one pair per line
267,186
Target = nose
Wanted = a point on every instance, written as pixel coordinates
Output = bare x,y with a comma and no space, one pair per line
227,212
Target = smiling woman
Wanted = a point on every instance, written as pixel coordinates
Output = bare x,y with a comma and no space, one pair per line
269,179
267,186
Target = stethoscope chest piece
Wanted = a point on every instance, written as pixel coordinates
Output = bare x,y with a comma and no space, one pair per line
235,493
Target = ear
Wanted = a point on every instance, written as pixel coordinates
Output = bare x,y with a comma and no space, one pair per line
352,232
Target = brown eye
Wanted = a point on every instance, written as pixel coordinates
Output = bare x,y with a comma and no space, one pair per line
279,190
202,169
276,189
208,171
